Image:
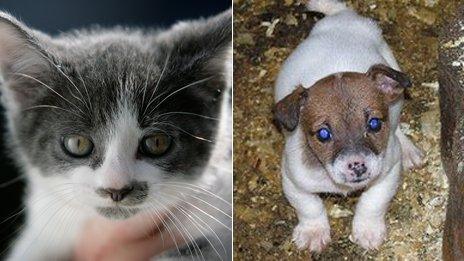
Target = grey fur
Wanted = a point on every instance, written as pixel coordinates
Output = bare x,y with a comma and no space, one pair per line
117,212
107,69
108,66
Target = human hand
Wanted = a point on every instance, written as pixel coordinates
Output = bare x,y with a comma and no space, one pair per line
138,238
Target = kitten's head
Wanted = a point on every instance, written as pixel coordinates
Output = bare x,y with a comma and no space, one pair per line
115,119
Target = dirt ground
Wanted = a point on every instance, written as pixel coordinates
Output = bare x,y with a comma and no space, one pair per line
265,32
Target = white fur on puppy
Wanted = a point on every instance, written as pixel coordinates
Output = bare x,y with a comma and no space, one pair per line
341,42
327,7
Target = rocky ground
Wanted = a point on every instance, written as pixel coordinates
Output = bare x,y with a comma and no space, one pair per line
266,31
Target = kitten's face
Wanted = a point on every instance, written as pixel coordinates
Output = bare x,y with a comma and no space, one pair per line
117,121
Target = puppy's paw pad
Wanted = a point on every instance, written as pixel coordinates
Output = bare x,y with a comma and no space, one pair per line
369,235
413,157
312,235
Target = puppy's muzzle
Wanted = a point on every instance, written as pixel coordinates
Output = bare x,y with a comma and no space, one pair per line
358,168
354,167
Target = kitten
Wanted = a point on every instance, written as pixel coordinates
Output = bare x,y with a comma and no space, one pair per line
115,122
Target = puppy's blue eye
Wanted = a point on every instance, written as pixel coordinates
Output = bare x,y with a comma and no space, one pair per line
374,124
324,135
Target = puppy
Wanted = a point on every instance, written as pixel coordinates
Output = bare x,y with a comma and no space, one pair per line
339,98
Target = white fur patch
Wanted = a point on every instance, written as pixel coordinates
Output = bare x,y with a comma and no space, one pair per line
339,43
328,7
58,204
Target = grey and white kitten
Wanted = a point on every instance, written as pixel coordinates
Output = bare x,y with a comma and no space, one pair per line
115,122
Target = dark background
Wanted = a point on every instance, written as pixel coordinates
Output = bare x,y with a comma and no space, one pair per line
54,16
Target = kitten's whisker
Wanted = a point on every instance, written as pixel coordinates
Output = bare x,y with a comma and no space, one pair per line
158,217
181,232
153,127
12,181
191,239
204,201
209,215
62,193
13,215
151,100
89,101
70,216
189,213
184,131
178,90
75,97
59,209
158,96
169,229
187,113
163,222
186,185
57,214
54,239
146,85
209,204
49,88
186,211
188,216
23,208
43,106
65,75
196,247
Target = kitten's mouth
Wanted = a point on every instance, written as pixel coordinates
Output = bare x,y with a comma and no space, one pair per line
117,212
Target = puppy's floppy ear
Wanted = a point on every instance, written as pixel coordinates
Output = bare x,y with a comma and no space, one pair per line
391,82
287,110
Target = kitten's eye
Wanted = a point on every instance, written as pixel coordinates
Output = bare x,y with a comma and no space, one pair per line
324,135
374,124
155,145
77,146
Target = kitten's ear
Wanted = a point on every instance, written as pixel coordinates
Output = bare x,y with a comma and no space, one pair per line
21,60
203,45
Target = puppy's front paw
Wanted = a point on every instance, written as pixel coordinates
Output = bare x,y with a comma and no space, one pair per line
369,233
413,157
314,234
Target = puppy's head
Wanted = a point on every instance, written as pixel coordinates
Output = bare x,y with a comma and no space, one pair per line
345,120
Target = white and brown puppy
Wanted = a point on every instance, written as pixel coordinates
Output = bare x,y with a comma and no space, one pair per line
339,97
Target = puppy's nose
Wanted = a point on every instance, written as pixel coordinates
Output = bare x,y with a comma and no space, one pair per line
358,168
116,194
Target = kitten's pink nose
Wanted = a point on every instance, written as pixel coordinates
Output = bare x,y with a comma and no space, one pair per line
116,194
